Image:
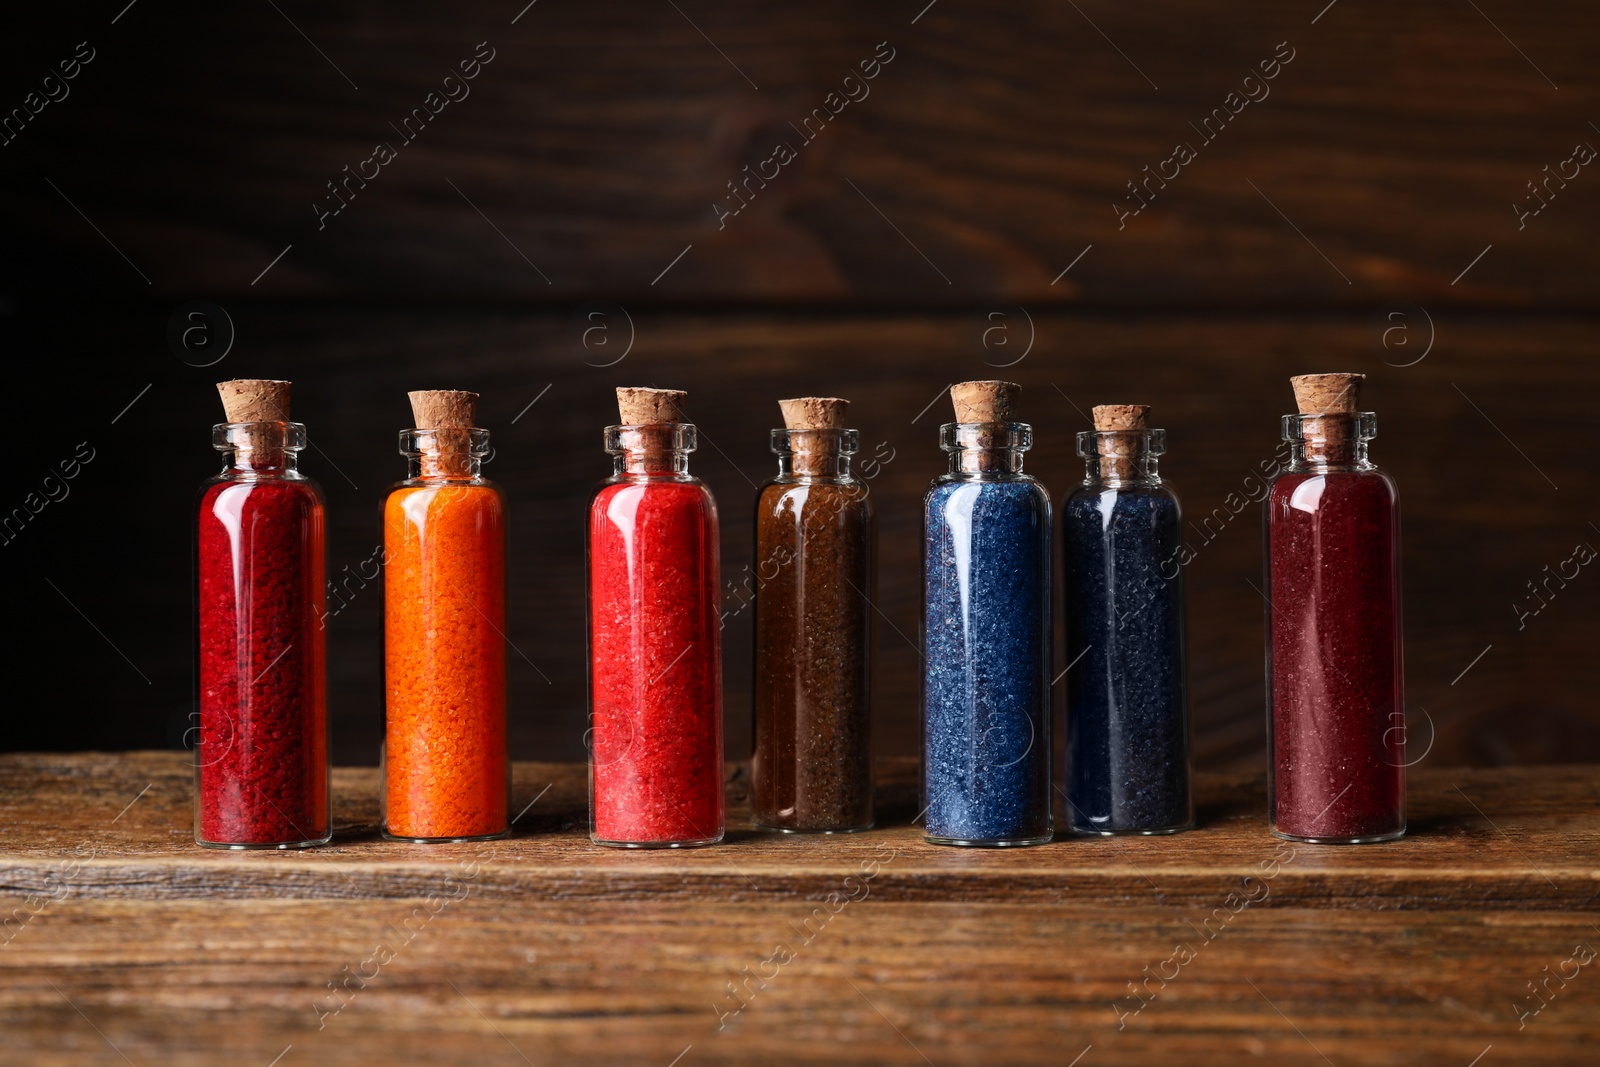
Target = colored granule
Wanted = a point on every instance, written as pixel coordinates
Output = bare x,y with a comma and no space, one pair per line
813,639
1335,673
986,639
444,626
263,748
656,663
1127,717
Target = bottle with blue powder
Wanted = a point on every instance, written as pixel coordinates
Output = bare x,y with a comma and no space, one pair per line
986,631
1122,591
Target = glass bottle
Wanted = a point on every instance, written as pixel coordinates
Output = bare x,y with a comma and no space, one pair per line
986,642
261,762
1335,680
655,679
1127,710
446,771
814,546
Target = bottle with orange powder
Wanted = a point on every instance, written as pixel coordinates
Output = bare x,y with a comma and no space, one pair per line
446,773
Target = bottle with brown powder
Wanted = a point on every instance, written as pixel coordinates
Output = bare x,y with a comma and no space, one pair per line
813,628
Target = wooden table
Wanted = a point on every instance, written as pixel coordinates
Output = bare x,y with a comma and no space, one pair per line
129,944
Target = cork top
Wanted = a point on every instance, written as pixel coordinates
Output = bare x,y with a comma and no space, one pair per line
439,409
639,406
814,413
985,401
1328,394
255,400
1121,416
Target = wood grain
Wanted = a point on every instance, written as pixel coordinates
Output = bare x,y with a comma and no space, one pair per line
1501,840
988,155
537,981
556,951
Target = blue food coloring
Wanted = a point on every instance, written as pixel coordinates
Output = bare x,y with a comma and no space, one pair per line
1127,713
986,671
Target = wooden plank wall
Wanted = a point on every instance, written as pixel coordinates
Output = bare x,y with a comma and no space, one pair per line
1381,171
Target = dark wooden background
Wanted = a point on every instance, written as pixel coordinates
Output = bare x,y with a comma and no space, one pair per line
1378,176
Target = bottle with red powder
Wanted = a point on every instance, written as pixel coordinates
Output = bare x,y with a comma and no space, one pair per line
446,774
655,655
261,764
1335,683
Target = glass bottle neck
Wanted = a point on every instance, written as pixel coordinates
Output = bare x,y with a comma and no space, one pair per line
444,467
651,451
814,455
1330,442
446,454
1119,459
261,462
259,449
985,449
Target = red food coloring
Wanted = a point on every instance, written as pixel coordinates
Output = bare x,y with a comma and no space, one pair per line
656,664
262,757
1337,688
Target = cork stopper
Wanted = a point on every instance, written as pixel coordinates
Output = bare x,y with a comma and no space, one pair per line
1120,416
814,413
255,400
448,415
985,401
653,424
650,407
1328,394
435,409
1331,402
814,453
1126,425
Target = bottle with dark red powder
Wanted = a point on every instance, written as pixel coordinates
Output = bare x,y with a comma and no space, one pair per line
1335,683
261,764
655,653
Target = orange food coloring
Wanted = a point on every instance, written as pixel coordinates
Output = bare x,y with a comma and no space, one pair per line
446,769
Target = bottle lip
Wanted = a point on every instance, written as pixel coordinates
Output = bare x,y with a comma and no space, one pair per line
963,436
1151,442
417,442
242,436
1364,423
663,437
845,442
